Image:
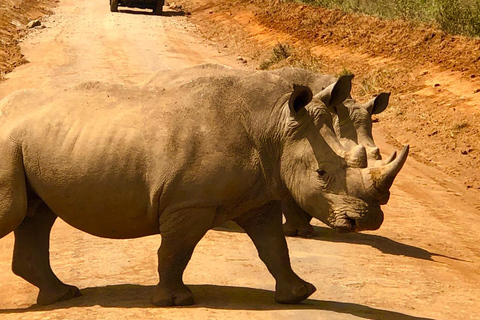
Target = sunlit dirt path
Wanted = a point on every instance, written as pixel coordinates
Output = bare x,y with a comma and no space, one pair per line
424,263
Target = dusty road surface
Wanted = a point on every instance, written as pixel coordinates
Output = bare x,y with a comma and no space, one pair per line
424,262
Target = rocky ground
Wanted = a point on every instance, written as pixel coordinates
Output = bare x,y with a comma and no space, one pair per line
15,16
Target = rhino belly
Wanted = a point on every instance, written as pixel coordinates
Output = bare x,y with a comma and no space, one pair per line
102,210
105,197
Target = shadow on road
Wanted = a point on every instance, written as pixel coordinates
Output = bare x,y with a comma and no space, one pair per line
385,245
212,297
168,13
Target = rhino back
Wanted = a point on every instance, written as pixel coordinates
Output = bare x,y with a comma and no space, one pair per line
109,160
315,81
178,76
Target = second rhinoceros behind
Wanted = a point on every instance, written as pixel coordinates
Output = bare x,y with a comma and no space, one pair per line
129,162
352,123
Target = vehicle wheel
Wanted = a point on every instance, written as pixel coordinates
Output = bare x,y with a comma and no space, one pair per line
114,5
159,7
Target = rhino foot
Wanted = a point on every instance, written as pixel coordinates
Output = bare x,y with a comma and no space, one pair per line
290,231
46,297
306,233
165,297
294,294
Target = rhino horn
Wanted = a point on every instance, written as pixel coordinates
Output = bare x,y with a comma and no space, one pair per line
337,92
380,163
391,158
384,177
357,157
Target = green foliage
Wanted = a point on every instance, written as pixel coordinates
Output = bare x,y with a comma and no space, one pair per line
279,52
453,16
459,16
344,72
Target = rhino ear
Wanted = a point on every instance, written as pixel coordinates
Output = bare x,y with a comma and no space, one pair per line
301,96
378,104
337,92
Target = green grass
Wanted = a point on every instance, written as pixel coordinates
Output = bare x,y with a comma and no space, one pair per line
343,72
453,16
279,53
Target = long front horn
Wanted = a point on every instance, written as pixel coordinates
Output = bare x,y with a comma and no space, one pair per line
379,163
383,179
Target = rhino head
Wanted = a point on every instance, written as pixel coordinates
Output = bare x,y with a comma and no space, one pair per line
353,124
328,181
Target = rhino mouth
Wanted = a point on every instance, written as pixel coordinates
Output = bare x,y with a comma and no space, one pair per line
370,218
344,225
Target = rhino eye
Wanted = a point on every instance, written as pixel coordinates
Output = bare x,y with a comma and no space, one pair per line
321,172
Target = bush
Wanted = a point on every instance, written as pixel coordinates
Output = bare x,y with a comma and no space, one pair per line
279,53
453,16
459,17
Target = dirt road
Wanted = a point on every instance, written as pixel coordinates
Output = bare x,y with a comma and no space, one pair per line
424,263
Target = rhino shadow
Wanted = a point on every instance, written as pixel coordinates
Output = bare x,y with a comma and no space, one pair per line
211,297
385,245
168,13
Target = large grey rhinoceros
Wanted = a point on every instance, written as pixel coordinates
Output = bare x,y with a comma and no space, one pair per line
122,162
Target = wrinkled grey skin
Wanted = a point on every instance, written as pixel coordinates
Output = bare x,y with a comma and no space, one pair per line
178,160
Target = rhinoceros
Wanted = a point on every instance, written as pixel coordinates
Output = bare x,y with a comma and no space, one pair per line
126,162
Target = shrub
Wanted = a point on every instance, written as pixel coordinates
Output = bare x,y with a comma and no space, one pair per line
453,16
279,52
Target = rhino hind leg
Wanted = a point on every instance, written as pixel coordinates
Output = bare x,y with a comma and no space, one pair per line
264,227
180,231
13,192
31,259
297,221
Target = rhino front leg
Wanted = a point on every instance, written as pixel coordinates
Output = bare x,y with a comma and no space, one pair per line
264,227
297,221
31,259
181,231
